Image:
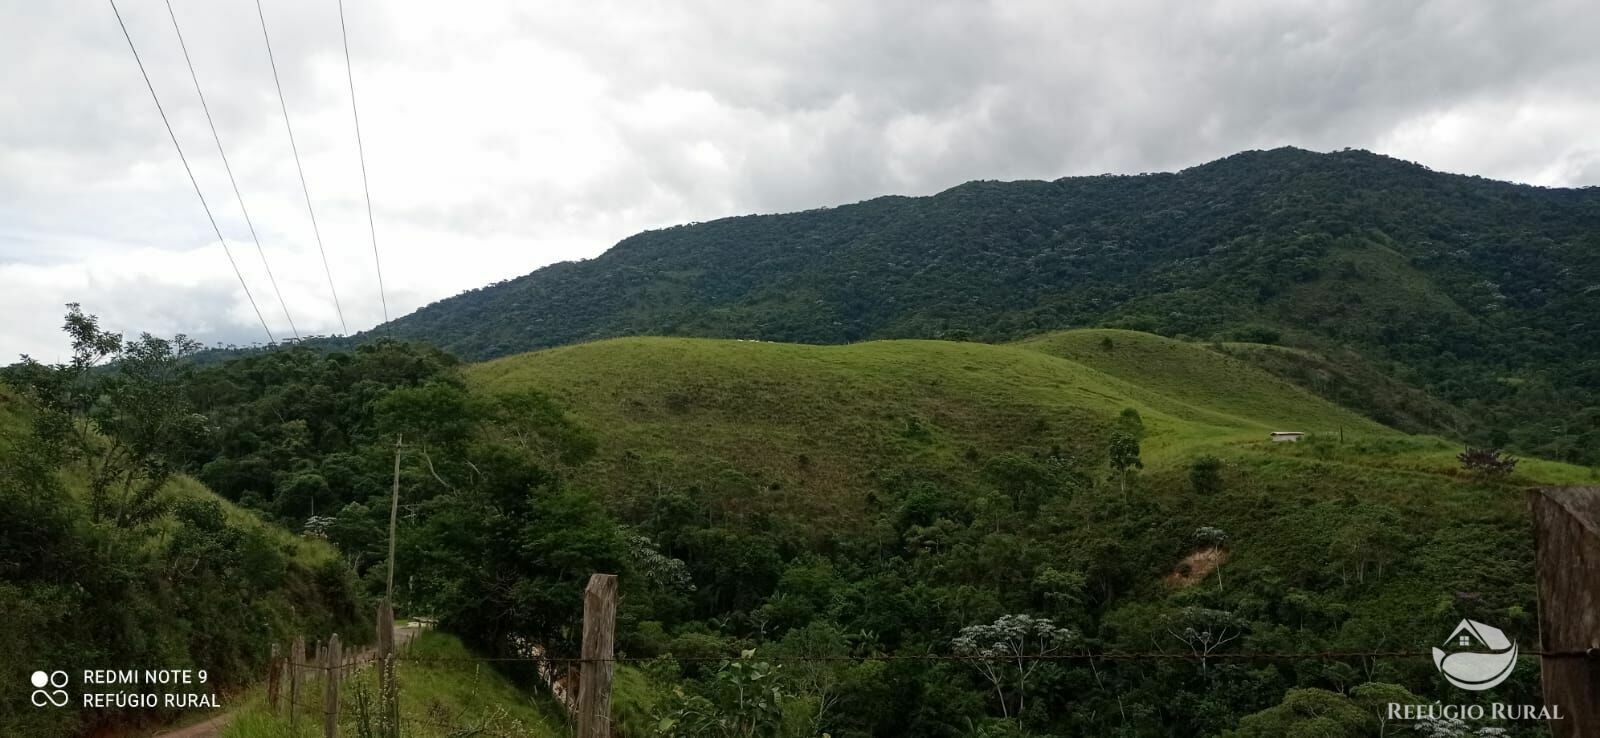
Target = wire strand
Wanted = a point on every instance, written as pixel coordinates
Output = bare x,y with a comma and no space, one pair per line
362,154
190,172
1085,656
304,188
229,169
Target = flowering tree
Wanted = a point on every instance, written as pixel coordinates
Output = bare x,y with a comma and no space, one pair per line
1204,630
1012,643
1454,728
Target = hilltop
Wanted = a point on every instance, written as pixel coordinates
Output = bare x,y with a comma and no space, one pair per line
812,426
1479,293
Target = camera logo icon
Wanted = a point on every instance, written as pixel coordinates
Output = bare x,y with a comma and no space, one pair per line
48,690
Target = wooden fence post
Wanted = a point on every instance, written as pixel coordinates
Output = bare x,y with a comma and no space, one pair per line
594,682
297,657
330,693
273,671
1566,524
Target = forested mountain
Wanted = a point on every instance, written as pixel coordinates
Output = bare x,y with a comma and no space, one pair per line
1483,293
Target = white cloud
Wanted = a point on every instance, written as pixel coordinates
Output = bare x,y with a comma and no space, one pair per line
505,135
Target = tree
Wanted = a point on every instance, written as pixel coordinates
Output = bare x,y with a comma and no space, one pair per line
1124,453
1011,643
1371,537
1203,630
1430,727
743,699
1375,698
1213,537
818,667
1306,713
1486,462
1205,474
125,422
1129,422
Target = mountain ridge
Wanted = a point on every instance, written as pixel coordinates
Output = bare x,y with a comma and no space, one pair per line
1477,291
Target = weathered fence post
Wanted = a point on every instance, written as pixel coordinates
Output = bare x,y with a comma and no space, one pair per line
297,659
273,671
594,681
330,693
1566,525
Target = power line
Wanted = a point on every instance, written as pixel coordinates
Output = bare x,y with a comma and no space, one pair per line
192,180
350,77
284,106
229,169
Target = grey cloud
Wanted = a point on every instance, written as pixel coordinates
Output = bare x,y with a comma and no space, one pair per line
565,126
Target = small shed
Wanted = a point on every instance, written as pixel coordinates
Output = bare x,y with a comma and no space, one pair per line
1286,436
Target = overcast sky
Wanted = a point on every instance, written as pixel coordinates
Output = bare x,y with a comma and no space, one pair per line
505,135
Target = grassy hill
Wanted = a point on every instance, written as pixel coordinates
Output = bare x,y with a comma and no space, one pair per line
1478,293
1366,539
810,426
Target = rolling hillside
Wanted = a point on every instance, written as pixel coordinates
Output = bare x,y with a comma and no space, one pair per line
1479,293
1372,538
811,427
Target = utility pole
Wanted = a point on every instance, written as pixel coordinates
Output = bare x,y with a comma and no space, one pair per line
394,511
388,693
386,610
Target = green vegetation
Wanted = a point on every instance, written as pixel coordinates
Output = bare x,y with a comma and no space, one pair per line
110,559
813,428
446,696
799,528
902,491
1478,293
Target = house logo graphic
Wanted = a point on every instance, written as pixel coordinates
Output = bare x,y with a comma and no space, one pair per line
1482,658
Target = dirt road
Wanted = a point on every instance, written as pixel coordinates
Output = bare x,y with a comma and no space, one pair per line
212,728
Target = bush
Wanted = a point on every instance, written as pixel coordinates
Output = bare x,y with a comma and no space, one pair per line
1486,462
1205,474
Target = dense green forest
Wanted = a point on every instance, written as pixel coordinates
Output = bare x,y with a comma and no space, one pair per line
825,524
110,557
1482,294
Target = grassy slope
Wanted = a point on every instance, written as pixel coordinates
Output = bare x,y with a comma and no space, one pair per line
1209,382
446,698
806,427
